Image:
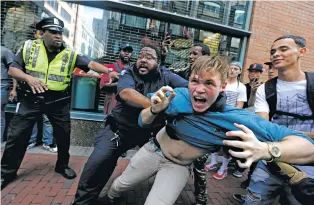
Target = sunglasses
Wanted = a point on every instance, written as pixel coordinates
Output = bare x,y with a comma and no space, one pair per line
54,32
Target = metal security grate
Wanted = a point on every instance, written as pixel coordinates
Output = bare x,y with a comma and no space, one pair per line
18,20
232,13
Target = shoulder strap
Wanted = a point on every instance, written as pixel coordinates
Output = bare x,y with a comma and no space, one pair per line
116,65
271,96
310,89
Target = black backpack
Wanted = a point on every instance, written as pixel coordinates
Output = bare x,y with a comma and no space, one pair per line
271,93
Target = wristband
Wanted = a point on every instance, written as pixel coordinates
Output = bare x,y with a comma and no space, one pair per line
154,113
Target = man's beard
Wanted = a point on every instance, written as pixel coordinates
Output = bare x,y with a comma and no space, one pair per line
150,74
124,61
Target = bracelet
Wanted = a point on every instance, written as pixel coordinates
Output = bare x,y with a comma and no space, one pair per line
154,113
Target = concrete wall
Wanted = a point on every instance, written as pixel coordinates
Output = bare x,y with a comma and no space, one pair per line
271,19
83,132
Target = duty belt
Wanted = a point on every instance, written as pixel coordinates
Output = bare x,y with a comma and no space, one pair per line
47,97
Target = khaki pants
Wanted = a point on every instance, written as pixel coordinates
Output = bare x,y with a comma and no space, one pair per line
170,178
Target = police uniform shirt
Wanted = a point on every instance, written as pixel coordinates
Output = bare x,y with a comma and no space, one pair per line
81,60
127,115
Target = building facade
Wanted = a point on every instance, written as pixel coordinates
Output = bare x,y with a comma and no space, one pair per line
241,30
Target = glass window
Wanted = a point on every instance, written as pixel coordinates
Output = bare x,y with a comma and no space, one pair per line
66,32
222,12
84,35
211,9
134,21
65,15
53,4
239,17
83,48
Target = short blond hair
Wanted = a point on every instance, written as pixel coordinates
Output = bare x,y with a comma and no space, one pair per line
213,64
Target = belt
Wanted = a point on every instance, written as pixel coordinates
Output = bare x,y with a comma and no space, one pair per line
156,142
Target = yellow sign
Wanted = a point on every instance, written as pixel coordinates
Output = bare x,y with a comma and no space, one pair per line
213,43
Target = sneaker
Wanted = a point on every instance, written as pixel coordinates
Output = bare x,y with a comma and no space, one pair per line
31,145
51,148
210,167
239,197
221,176
237,174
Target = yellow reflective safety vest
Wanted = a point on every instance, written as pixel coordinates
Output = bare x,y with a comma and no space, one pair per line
56,74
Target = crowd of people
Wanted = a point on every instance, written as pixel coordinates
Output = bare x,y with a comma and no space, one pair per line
177,120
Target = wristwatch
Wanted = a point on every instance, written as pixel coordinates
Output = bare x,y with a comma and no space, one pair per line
110,70
274,151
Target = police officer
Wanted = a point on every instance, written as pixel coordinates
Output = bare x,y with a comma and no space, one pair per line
43,68
122,131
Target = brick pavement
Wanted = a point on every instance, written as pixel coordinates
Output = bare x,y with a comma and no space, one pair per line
37,183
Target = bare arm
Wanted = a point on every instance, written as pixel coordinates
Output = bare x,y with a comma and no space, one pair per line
292,154
147,116
99,68
14,84
134,98
18,74
252,98
159,102
254,150
264,115
240,104
13,93
36,85
310,134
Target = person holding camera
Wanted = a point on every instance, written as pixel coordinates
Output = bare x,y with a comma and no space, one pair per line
255,71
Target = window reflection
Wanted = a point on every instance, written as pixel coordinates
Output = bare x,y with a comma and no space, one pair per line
211,9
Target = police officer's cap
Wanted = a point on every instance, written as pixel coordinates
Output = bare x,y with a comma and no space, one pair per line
51,23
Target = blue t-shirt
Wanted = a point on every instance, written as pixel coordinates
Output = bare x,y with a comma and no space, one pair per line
208,129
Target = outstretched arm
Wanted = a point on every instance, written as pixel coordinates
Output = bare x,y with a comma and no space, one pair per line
254,150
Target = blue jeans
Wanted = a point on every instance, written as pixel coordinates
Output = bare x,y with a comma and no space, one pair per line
47,132
4,101
265,187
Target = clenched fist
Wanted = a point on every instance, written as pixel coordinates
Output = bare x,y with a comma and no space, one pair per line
160,101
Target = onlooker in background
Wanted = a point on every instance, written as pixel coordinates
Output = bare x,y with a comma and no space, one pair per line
236,96
286,100
255,72
197,50
272,72
125,52
7,58
47,137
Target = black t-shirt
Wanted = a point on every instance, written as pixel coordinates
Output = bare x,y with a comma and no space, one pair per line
81,60
248,94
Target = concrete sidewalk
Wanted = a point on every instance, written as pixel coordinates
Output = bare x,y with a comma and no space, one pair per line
37,183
